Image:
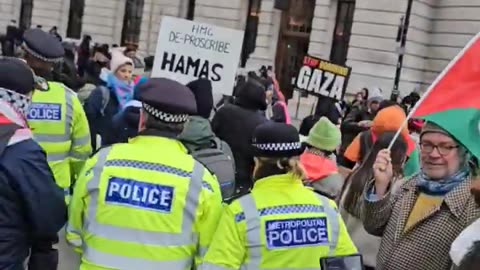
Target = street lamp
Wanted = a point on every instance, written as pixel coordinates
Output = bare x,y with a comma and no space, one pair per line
402,39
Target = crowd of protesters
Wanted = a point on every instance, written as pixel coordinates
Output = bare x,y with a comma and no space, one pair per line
415,206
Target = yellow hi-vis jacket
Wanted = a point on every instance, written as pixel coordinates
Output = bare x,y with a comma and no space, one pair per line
60,126
143,205
280,225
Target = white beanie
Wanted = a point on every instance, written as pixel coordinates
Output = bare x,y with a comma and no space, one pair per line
375,94
118,60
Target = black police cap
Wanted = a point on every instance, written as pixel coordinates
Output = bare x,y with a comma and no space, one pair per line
167,100
43,46
276,140
16,75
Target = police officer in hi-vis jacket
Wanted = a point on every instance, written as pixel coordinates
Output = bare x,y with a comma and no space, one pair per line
146,204
56,116
280,224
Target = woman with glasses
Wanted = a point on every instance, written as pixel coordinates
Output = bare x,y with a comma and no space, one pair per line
419,222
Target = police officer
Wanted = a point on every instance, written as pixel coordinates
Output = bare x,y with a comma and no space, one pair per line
281,224
146,204
56,116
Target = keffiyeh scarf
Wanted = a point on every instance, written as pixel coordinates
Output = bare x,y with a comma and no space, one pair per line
16,102
13,123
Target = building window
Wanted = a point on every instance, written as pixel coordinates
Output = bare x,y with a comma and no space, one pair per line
75,17
342,31
26,14
251,30
132,22
191,10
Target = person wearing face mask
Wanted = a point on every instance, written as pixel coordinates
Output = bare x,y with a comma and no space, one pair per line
419,222
56,116
33,207
109,99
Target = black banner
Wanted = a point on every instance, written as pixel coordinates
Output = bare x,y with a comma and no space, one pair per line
322,78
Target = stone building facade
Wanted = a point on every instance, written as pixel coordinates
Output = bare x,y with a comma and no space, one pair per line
438,30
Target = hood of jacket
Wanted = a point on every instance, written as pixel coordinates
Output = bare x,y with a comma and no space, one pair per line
252,96
197,133
317,167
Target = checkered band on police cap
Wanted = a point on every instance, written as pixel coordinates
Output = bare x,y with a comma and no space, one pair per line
41,57
165,117
278,146
276,140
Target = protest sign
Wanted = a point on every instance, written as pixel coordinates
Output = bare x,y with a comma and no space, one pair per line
187,50
322,78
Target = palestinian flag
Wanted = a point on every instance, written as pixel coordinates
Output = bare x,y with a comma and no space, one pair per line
453,100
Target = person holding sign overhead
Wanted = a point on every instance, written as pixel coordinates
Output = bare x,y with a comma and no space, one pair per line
281,223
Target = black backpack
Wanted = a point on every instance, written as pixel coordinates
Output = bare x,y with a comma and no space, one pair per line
218,159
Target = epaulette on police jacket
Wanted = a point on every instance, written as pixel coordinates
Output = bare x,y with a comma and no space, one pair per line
235,197
329,196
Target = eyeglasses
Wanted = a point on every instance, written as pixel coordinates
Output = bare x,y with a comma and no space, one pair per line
443,150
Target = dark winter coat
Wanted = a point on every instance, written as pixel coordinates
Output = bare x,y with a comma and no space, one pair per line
32,208
125,123
235,124
101,123
350,128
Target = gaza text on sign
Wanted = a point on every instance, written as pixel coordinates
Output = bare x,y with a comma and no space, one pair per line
323,78
188,50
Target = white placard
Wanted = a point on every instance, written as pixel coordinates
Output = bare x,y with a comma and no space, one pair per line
187,50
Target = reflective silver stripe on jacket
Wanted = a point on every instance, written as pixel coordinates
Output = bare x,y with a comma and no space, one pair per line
210,266
120,262
185,237
253,225
202,251
65,137
332,217
54,157
254,242
81,141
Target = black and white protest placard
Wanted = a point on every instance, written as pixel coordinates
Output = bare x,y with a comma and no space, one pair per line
187,50
322,78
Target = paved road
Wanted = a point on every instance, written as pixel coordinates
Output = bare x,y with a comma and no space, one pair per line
68,259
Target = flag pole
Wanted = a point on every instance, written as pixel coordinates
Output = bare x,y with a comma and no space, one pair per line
431,87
